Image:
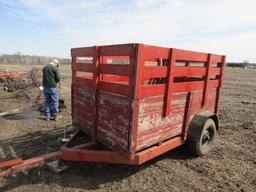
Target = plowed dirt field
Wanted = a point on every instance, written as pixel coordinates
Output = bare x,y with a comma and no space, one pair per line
231,166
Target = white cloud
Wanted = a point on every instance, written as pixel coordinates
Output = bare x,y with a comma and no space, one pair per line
221,26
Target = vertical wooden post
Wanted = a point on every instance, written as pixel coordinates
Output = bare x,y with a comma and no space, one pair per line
186,115
207,79
96,66
72,84
170,77
132,74
221,79
138,68
96,79
222,70
138,62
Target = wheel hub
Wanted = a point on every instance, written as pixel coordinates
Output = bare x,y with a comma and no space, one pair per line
206,137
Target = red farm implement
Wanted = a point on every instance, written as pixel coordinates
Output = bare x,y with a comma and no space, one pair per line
136,102
10,75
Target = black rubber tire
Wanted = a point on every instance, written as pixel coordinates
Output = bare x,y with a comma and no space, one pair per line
203,138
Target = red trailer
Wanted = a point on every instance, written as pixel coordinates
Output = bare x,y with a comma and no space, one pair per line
136,102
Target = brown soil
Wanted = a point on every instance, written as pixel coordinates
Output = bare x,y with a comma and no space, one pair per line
231,166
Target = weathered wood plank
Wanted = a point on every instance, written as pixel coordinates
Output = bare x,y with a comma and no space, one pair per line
154,128
113,121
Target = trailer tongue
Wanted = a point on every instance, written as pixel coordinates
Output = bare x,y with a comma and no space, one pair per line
17,165
87,152
136,102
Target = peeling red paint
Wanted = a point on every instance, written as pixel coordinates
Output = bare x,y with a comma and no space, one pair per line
131,115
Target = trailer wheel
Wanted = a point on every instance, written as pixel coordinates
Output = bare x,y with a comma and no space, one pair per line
203,138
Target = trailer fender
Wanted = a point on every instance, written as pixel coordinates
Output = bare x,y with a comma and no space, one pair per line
199,120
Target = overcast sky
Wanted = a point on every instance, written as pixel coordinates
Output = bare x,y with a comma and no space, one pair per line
52,27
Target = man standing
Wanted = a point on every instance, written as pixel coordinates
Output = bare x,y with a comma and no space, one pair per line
51,77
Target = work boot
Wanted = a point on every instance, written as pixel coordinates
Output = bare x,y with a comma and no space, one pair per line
55,116
46,118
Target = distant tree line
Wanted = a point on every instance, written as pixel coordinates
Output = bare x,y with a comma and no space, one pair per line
246,64
18,58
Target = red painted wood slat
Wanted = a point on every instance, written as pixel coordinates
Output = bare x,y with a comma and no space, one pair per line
85,67
187,86
82,52
114,69
154,72
153,53
216,58
157,72
83,82
189,71
114,88
151,90
117,50
114,78
183,55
